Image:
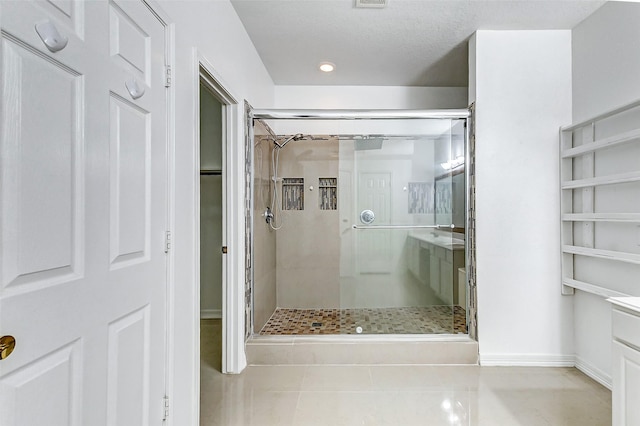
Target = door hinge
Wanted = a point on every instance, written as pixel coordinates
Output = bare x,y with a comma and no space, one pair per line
167,241
165,408
167,76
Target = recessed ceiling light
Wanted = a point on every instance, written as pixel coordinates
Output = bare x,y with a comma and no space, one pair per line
327,67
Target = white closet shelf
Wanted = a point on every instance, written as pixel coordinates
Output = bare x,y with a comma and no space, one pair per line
602,180
601,217
612,141
578,167
592,288
602,116
617,256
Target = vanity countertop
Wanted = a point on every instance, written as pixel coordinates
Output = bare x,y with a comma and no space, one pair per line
440,240
631,303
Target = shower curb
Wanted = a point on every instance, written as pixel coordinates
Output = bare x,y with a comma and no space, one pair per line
396,350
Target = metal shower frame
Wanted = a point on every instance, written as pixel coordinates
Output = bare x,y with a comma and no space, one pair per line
382,114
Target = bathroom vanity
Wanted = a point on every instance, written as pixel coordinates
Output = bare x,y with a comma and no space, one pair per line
625,319
434,260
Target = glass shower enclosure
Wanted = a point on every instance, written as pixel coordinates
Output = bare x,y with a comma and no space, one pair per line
359,225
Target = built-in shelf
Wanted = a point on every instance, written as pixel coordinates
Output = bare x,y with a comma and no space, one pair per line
601,217
208,172
592,288
602,180
599,117
618,256
581,147
328,193
632,136
292,193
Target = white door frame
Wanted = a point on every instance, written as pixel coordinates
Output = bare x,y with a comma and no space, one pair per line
233,355
169,56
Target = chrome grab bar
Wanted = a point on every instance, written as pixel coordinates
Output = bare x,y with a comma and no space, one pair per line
354,226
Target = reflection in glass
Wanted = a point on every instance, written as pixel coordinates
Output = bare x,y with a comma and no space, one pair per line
399,269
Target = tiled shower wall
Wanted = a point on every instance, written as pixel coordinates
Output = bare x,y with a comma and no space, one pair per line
264,238
308,244
300,265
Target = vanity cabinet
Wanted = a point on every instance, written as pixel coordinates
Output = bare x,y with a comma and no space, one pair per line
442,279
435,262
625,319
413,258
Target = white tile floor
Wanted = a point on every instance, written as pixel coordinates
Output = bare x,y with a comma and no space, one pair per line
399,395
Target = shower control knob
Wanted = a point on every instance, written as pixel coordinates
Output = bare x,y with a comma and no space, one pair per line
367,217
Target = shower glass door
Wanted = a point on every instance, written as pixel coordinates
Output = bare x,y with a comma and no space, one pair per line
401,197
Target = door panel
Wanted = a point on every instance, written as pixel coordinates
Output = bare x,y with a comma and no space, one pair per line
138,205
60,370
41,231
129,44
69,13
130,186
84,200
128,367
374,247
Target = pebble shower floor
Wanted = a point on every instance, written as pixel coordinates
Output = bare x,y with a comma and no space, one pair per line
412,320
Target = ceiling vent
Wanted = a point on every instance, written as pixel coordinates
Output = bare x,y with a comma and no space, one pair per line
371,4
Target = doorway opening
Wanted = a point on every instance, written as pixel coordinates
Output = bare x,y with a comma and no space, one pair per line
211,226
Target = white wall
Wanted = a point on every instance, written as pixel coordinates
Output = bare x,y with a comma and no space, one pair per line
370,97
214,29
363,97
605,60
523,95
606,70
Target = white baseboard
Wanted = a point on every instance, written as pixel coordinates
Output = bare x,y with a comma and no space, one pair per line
527,360
210,313
546,360
594,372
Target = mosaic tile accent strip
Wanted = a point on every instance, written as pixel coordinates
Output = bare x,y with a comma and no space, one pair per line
292,193
413,320
421,197
328,193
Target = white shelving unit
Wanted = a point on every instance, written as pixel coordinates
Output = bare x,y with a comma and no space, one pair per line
600,222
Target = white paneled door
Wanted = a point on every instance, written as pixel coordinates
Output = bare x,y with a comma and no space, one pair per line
83,193
375,251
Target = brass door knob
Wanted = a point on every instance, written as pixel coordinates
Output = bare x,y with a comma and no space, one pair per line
7,344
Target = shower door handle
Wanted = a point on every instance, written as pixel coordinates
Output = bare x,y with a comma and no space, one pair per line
354,226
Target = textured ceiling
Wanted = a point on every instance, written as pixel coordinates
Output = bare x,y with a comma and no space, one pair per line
408,43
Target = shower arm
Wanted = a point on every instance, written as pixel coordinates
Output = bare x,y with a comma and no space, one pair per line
295,137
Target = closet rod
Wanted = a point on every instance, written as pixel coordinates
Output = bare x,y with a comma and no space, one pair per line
211,172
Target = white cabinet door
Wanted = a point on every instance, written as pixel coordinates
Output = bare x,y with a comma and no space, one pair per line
83,190
626,385
446,282
434,272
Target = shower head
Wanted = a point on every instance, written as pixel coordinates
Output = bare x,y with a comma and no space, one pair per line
296,137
